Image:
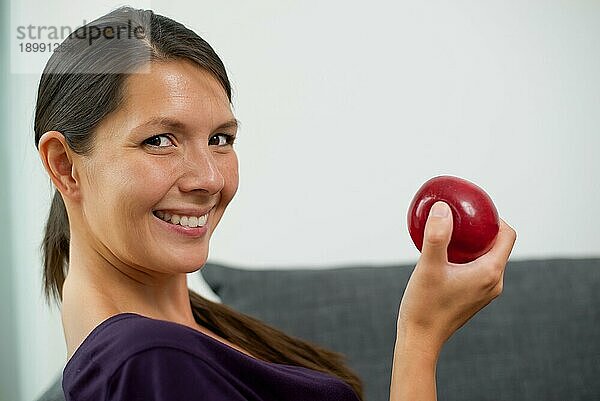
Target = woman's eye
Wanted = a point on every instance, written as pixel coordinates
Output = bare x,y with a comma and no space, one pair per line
159,141
226,139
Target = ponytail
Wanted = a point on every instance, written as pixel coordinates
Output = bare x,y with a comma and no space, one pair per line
55,249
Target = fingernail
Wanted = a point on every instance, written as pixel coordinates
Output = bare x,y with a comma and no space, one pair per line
440,209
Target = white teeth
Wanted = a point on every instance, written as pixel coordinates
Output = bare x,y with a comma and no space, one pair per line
186,221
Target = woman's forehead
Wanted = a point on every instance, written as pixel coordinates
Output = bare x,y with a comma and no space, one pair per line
175,90
173,80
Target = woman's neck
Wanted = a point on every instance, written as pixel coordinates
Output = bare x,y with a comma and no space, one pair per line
96,288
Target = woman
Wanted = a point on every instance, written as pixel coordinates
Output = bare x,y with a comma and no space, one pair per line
136,133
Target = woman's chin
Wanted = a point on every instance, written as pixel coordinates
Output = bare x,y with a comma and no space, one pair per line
174,263
191,266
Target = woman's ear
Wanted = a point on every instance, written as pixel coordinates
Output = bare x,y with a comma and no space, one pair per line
57,158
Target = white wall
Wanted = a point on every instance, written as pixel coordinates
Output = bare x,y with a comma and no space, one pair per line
346,109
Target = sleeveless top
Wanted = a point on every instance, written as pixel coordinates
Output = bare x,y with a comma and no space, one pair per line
134,358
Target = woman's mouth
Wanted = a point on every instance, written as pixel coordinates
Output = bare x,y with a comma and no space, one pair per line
185,221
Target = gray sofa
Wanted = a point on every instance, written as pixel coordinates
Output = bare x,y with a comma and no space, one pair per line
539,341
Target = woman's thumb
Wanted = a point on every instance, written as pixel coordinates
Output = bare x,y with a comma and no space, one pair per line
438,231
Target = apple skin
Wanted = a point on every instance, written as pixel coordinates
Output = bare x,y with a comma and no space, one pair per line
475,217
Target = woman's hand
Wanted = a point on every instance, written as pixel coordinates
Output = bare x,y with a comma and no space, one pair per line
441,297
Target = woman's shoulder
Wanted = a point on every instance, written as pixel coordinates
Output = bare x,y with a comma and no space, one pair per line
123,343
119,357
125,334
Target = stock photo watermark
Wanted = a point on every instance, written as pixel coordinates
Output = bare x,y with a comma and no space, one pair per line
36,38
32,45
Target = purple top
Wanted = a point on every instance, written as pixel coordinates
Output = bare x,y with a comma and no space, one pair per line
134,358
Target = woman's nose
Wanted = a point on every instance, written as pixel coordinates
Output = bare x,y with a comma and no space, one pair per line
201,172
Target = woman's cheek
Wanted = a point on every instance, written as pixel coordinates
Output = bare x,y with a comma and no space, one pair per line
231,176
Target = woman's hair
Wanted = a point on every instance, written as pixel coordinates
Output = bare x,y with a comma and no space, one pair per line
82,83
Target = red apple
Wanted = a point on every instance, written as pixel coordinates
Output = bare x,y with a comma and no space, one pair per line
476,222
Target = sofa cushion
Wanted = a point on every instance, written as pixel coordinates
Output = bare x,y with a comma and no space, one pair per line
539,341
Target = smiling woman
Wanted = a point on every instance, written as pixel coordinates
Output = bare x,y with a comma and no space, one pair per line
137,137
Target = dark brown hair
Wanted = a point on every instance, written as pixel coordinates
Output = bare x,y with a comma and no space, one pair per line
81,84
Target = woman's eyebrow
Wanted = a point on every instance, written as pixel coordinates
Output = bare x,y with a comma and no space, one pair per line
175,124
233,123
161,121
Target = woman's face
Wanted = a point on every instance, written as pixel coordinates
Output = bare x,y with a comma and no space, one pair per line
165,154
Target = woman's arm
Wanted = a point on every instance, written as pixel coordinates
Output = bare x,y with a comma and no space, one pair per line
413,371
439,299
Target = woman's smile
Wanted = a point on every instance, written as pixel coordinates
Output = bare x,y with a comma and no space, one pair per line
187,225
185,219
190,223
